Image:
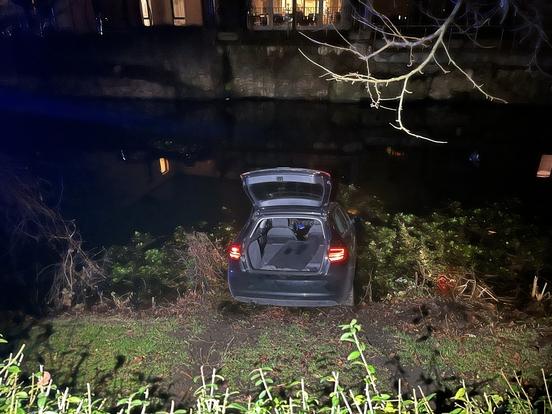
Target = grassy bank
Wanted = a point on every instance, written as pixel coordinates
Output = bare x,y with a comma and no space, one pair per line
478,356
119,354
114,354
152,351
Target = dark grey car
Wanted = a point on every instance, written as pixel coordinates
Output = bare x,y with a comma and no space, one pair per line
297,248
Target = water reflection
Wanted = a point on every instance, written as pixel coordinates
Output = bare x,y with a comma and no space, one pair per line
151,166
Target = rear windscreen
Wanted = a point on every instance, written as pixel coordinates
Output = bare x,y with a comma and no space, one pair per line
273,190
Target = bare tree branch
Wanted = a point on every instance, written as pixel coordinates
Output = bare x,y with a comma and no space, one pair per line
432,47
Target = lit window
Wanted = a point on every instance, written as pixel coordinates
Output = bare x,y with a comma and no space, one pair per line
145,8
395,153
545,166
280,14
164,166
307,12
179,12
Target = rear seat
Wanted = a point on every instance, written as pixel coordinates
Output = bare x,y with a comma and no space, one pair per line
279,232
254,253
316,229
280,235
276,237
317,233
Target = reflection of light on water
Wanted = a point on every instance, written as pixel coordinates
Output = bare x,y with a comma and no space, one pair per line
474,158
164,166
545,166
395,153
205,168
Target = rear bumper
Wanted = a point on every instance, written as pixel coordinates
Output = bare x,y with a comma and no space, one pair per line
289,290
287,302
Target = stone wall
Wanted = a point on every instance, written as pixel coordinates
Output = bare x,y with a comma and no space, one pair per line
192,64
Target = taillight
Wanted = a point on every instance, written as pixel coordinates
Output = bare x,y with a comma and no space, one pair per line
234,251
337,254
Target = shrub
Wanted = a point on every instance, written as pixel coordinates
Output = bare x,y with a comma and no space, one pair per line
162,268
458,250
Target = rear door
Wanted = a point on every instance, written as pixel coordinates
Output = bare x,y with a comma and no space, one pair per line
287,187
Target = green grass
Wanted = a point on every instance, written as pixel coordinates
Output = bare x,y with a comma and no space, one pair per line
292,350
480,356
19,396
118,355
114,355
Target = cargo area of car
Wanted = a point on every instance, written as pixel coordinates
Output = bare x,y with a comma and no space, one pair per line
292,244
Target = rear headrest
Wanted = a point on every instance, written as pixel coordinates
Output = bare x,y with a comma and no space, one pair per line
316,229
280,232
279,222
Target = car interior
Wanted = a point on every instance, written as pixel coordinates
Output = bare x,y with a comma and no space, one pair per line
292,244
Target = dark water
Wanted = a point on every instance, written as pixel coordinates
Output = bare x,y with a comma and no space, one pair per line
101,158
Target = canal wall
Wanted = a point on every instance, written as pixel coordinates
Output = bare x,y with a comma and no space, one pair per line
194,64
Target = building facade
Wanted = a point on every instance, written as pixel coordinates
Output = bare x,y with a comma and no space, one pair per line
412,17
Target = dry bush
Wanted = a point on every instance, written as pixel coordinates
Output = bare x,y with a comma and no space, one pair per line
123,302
464,286
28,218
540,294
206,263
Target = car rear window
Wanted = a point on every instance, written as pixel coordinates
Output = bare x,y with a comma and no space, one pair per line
288,189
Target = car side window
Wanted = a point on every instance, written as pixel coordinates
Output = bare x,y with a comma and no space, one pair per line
340,220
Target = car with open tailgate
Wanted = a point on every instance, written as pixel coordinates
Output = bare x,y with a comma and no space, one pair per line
297,248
